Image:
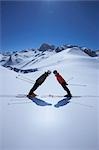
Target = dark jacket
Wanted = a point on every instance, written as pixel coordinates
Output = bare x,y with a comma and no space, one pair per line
42,78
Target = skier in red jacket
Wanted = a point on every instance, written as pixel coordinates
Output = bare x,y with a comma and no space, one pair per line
63,83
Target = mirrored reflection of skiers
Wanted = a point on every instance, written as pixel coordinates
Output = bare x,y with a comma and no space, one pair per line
62,83
38,82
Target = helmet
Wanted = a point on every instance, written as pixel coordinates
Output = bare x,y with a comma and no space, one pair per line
55,71
49,72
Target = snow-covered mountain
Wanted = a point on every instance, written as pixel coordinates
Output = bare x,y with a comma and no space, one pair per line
21,57
27,126
97,52
25,59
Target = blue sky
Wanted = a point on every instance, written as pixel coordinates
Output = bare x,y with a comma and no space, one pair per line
29,24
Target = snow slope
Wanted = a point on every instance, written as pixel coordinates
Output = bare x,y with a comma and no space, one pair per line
75,126
21,58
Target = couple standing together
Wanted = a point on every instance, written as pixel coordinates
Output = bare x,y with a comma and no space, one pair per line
43,77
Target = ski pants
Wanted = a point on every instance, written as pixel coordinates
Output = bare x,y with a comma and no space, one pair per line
35,86
66,88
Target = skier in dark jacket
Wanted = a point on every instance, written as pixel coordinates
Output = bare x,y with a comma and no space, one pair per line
63,83
38,82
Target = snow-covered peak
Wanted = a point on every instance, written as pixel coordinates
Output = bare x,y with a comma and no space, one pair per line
76,51
28,58
46,47
89,52
97,52
1,56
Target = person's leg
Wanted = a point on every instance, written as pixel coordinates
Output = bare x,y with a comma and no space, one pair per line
66,89
33,88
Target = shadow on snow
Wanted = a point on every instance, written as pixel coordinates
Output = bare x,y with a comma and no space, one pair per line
40,102
62,102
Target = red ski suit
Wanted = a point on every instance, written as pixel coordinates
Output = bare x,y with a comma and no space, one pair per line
63,83
60,79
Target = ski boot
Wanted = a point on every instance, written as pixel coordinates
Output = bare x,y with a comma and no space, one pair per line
32,95
68,95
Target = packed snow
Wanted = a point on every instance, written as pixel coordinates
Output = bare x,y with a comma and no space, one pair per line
75,126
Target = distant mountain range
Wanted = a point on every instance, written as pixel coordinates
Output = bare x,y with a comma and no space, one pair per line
18,60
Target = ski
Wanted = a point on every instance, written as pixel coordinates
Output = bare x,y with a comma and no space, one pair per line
57,96
24,102
45,96
42,103
49,95
7,96
62,96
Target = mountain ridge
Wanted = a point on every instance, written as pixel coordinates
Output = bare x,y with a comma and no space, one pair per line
17,60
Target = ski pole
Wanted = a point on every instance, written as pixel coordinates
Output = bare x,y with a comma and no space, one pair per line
78,84
32,82
25,80
70,79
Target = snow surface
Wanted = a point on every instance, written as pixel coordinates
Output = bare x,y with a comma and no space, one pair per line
75,126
